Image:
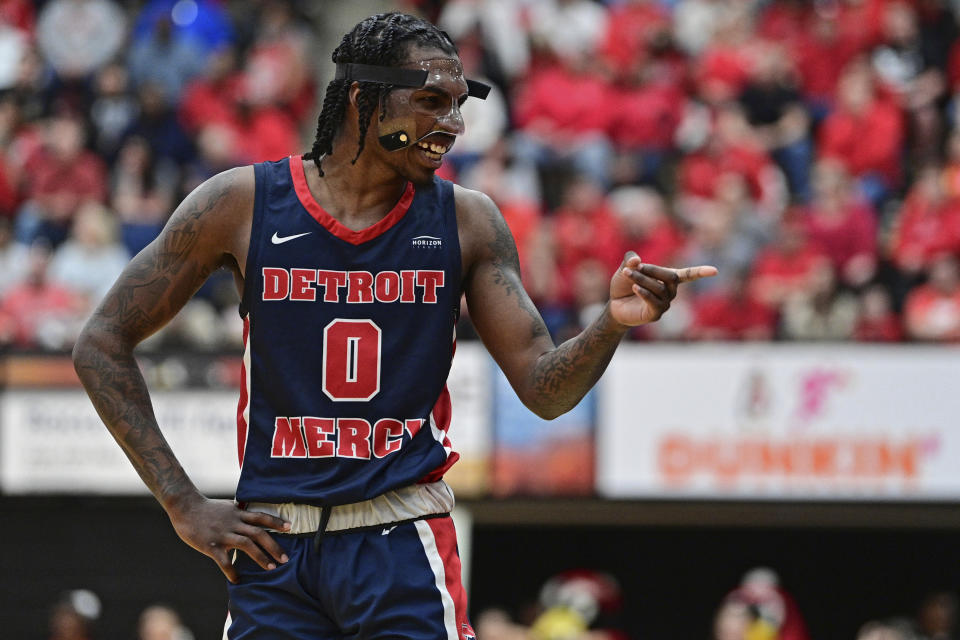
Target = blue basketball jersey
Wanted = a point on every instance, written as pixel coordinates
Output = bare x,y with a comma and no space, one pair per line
348,339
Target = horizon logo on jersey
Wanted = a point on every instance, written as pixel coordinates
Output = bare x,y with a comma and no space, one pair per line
426,242
355,438
362,287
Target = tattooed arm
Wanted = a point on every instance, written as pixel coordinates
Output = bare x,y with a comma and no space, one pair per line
209,230
549,379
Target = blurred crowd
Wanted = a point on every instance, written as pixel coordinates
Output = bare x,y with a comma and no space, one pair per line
578,604
76,615
808,149
587,605
760,608
109,114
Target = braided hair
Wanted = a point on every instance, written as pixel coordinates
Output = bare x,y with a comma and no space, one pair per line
381,39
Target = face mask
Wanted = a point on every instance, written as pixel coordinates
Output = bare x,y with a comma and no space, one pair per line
421,92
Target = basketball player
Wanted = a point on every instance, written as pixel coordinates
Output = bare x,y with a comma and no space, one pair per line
350,261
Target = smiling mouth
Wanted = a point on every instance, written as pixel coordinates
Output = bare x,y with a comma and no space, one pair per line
434,145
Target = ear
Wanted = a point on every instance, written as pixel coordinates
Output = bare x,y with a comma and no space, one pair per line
353,93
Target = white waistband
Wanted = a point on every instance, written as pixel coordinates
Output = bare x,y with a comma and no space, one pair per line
406,503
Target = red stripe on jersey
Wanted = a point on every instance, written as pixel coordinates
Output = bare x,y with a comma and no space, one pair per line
244,395
330,223
441,414
445,536
443,410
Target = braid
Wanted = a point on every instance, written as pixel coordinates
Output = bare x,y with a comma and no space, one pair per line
366,101
333,103
380,40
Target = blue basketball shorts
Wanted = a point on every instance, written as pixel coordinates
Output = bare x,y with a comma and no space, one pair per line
392,581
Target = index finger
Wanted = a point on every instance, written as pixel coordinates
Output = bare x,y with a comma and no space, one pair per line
266,542
264,520
688,274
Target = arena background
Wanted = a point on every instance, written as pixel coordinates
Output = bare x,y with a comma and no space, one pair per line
799,412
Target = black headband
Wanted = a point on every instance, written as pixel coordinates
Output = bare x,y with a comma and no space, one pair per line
413,78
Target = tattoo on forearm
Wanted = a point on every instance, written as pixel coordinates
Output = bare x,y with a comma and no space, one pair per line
563,376
107,367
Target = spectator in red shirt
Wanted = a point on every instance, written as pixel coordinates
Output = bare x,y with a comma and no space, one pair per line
787,265
928,224
267,133
58,179
9,198
861,21
645,226
733,147
932,310
510,189
39,313
842,224
21,130
646,111
731,313
865,133
723,69
631,29
255,111
563,112
9,168
821,54
279,70
877,321
585,229
953,67
211,98
18,14
784,21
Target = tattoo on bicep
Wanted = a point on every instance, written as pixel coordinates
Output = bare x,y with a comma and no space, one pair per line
506,260
145,282
506,272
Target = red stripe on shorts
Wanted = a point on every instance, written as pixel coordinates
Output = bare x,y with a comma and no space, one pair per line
445,535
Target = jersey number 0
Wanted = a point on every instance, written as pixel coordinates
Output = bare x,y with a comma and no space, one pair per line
351,360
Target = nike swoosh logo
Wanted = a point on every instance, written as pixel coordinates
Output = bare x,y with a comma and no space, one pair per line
280,240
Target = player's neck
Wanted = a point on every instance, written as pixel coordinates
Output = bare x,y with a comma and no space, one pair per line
357,195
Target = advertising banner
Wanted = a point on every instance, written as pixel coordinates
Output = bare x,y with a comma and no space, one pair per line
833,422
533,456
52,440
471,429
